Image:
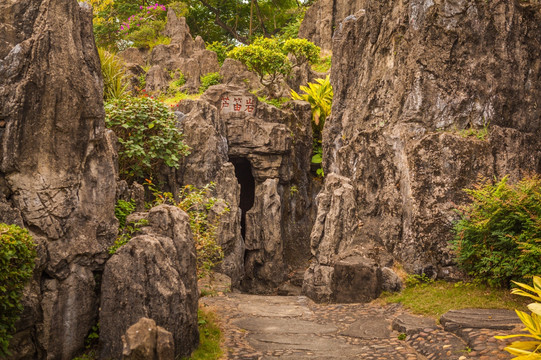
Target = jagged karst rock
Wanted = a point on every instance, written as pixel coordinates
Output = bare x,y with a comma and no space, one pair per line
134,56
154,276
323,17
57,171
407,78
157,79
145,340
235,73
184,54
266,151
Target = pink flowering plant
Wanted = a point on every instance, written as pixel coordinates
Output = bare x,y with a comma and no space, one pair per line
144,27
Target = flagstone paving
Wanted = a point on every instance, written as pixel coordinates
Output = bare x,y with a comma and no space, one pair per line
294,327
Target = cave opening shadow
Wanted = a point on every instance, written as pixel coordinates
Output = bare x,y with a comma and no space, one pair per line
243,172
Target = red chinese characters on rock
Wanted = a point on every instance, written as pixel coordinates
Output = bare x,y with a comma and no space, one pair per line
238,104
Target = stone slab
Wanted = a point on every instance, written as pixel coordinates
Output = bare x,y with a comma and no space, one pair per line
373,327
495,319
410,324
283,326
317,345
267,306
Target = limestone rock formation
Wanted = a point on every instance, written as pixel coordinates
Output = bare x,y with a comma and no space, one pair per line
154,276
145,340
323,17
57,172
259,158
408,78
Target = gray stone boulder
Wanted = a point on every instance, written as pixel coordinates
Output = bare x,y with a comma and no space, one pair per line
134,56
57,168
145,340
157,79
153,276
235,73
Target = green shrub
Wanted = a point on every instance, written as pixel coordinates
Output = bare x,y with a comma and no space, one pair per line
220,49
199,204
17,261
498,238
302,50
122,210
114,77
147,134
208,80
265,58
125,233
528,349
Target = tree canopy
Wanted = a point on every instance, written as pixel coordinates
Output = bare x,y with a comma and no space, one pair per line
226,21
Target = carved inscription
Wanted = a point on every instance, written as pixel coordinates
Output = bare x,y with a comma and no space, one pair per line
238,104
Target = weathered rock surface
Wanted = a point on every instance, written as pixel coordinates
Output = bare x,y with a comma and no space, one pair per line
154,276
183,53
323,17
145,340
407,79
259,158
411,324
57,172
496,319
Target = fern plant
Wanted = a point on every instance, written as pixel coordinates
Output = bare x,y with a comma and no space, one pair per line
528,350
498,237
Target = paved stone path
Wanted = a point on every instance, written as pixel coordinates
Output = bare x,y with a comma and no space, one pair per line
294,327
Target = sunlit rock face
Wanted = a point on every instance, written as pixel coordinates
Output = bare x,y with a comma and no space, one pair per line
428,96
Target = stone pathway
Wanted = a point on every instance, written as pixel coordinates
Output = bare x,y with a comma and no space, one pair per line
294,327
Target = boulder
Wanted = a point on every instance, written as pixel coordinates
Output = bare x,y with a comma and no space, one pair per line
157,79
134,56
145,340
235,73
408,79
154,276
57,167
179,32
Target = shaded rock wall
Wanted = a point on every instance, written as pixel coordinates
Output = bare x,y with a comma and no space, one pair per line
57,172
408,76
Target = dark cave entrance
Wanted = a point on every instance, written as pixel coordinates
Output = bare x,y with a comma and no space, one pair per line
243,172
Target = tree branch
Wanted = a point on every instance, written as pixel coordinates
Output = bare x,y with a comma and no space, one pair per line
222,24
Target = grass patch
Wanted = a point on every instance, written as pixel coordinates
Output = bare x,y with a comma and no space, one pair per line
436,298
178,97
323,64
210,337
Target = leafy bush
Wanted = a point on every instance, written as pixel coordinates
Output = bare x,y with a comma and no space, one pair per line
265,58
125,233
204,213
528,349
220,49
114,77
208,80
302,50
17,261
498,237
148,136
122,210
143,29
